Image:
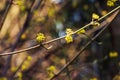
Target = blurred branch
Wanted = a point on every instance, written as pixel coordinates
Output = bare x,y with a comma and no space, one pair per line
5,14
13,75
44,43
25,26
68,73
30,14
80,52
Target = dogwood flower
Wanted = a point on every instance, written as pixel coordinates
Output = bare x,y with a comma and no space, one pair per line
68,38
40,37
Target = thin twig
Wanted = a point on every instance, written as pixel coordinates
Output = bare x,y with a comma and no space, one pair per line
53,40
68,72
77,55
117,8
80,52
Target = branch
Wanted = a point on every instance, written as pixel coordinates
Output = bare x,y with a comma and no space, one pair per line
53,40
25,26
32,9
80,52
89,32
5,14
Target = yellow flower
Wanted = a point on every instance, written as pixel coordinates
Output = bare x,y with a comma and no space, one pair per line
51,12
41,19
94,78
81,31
19,74
110,3
23,8
104,12
51,70
114,0
29,58
74,3
113,54
20,3
95,16
68,38
23,37
13,69
3,78
95,23
69,31
85,7
26,63
50,75
40,37
35,12
23,67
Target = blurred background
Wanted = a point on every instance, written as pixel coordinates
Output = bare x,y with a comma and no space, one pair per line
22,20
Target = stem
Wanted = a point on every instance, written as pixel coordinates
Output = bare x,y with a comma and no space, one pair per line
80,52
53,40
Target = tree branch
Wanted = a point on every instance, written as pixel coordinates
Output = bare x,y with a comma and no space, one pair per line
80,52
5,14
25,26
44,43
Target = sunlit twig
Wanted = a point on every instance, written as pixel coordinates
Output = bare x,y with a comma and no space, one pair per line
83,48
53,40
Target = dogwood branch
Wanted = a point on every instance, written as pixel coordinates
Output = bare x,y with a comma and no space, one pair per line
83,48
53,40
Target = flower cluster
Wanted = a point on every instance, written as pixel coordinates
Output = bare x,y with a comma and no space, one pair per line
69,31
26,63
19,76
21,4
81,31
94,78
69,37
51,12
111,3
113,54
13,69
94,21
95,16
40,37
3,78
51,71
